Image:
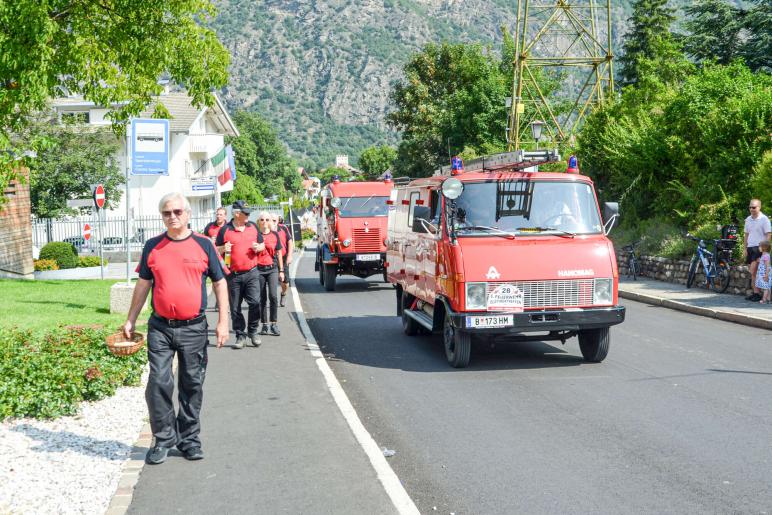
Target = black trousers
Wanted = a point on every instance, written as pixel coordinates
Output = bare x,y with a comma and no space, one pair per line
244,287
190,343
269,287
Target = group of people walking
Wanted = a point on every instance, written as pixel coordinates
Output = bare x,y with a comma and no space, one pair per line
245,262
758,233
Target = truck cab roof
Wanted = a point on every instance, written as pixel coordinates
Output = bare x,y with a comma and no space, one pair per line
360,189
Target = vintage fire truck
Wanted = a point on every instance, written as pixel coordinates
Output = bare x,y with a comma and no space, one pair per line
497,249
351,226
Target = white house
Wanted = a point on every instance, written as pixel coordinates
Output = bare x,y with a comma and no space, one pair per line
196,135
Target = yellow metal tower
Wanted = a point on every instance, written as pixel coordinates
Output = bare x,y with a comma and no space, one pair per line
566,38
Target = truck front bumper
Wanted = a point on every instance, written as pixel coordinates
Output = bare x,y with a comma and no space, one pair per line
559,320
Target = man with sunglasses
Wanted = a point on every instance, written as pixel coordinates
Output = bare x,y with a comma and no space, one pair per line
175,266
239,237
757,229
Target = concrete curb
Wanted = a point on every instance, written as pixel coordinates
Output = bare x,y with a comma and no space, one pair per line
726,316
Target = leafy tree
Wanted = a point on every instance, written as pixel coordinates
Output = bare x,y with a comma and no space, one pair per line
649,34
714,31
326,175
244,189
113,53
261,155
71,161
758,47
375,160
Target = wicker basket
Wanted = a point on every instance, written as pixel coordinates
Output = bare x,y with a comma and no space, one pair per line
120,346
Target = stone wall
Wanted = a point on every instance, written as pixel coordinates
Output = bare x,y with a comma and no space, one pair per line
674,271
16,232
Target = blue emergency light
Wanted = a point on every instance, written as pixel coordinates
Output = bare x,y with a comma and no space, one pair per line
456,165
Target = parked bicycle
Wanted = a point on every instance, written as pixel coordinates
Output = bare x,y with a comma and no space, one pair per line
714,264
633,268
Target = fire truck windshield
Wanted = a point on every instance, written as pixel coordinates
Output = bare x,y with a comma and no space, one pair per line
523,207
361,207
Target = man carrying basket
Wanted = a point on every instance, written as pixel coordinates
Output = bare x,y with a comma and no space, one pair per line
175,265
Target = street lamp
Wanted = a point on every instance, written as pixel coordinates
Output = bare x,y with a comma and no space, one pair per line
536,127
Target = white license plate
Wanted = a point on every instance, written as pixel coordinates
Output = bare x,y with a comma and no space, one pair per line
368,257
483,322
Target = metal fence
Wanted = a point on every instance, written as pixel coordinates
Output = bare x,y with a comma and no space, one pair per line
111,231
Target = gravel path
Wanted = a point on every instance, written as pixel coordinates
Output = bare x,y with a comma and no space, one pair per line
71,464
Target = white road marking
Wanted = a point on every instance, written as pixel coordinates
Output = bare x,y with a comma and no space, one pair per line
383,470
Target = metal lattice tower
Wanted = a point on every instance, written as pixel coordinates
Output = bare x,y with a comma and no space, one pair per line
569,38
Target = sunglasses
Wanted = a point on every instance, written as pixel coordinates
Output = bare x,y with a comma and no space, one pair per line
264,219
753,207
168,214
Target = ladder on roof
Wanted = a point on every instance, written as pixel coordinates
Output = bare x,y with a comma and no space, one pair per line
517,160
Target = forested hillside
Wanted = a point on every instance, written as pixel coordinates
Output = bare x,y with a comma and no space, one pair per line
321,70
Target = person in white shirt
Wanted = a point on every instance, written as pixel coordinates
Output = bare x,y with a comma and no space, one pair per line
757,229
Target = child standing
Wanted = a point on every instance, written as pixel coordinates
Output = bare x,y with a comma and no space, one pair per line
762,274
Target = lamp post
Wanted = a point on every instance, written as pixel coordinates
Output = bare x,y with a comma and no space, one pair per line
536,127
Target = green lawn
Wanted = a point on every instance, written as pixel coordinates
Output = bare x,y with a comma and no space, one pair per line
40,305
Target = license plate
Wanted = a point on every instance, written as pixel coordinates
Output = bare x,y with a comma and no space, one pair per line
483,322
368,257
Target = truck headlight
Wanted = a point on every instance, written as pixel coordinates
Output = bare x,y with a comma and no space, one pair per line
346,242
476,295
604,291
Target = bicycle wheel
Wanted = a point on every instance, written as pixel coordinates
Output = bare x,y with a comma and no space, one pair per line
632,268
721,280
692,272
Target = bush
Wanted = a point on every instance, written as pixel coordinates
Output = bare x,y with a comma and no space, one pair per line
86,261
45,264
47,375
63,253
307,234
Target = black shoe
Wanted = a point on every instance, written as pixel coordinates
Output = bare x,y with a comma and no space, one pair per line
264,329
755,297
282,301
157,455
275,330
255,339
193,454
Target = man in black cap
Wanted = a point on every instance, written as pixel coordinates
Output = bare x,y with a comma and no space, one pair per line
238,241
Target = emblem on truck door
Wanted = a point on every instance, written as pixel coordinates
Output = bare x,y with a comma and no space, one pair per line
367,229
492,273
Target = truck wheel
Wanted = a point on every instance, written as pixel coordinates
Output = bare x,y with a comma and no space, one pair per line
409,326
320,267
458,345
330,274
594,344
385,276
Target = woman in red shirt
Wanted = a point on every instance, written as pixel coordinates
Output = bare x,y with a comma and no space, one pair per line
270,266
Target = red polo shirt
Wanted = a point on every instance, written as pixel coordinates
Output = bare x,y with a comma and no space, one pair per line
285,236
212,229
272,247
243,257
178,270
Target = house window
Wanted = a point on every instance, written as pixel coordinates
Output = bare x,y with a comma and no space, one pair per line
76,117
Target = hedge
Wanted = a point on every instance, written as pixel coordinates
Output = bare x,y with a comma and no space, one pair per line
63,253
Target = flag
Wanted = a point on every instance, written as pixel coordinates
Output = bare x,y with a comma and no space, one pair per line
223,165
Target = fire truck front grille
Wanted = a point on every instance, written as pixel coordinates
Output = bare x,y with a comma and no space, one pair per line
553,294
369,241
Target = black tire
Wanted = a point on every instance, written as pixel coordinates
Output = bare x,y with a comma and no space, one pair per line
409,326
385,275
330,274
594,344
721,281
692,272
321,272
458,345
632,268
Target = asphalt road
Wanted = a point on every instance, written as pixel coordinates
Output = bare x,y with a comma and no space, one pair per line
675,420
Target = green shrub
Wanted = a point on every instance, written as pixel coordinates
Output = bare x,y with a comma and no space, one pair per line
86,261
307,234
47,375
63,253
45,264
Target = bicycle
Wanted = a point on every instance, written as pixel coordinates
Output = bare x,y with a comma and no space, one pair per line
715,264
633,268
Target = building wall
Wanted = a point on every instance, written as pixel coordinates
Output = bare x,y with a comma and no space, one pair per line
16,233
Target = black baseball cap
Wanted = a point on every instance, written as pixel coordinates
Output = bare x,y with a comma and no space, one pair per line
241,206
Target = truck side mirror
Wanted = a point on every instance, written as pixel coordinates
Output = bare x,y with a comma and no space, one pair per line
610,215
421,216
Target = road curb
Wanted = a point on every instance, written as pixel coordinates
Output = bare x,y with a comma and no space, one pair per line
726,316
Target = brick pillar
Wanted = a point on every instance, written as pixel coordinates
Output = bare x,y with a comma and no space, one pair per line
16,231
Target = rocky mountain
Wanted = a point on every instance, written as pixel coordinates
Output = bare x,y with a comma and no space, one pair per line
321,70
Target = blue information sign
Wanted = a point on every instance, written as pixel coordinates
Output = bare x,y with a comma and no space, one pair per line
150,147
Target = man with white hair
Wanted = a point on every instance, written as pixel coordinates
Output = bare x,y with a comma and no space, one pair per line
175,266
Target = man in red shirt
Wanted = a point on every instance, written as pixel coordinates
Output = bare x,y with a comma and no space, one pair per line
175,265
239,238
213,228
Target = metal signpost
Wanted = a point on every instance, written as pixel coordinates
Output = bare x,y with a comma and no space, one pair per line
100,197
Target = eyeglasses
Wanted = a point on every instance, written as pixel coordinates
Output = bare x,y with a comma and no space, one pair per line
264,219
168,214
753,207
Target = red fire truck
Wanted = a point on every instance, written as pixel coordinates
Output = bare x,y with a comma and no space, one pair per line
500,250
351,223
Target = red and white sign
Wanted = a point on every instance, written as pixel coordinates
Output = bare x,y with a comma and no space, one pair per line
99,196
86,232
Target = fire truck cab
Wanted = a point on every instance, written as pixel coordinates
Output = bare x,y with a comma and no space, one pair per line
351,226
500,250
